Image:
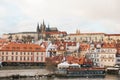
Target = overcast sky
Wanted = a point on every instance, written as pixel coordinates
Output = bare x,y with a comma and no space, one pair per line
66,15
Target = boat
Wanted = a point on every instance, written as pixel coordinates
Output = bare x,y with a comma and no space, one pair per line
76,70
114,70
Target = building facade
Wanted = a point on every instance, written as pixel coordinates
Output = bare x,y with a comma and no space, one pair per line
92,37
22,53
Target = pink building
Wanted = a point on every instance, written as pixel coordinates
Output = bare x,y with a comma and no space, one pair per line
22,53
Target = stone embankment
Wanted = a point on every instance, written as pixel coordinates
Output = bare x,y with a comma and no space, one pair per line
23,72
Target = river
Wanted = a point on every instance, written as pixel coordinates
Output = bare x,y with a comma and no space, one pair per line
108,77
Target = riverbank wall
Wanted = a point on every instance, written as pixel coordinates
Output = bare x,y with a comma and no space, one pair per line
23,72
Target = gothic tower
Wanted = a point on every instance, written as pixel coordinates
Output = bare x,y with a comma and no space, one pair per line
43,27
38,28
38,31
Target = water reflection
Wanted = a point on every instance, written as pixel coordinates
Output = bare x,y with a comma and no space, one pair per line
108,77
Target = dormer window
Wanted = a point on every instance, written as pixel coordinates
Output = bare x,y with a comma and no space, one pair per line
2,53
13,47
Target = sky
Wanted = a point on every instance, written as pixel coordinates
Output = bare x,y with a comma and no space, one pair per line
66,15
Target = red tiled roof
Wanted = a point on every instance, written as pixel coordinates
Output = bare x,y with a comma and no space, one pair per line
109,45
69,59
86,34
112,34
56,32
65,43
3,40
12,46
84,47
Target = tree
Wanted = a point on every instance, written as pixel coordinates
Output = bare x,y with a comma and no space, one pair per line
50,66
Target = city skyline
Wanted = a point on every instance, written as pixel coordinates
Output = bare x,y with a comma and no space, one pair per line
66,15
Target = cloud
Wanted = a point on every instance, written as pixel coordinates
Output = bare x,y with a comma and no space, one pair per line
68,15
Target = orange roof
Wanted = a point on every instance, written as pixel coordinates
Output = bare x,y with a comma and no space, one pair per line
61,44
65,43
118,45
3,40
56,32
109,45
12,46
112,34
69,59
86,34
84,47
72,59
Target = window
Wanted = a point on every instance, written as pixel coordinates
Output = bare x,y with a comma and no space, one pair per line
68,38
101,59
2,53
80,38
20,53
16,58
41,53
12,53
37,53
16,53
118,60
12,58
28,58
21,58
24,58
112,60
6,53
6,58
41,58
28,53
97,55
2,58
97,60
37,58
96,38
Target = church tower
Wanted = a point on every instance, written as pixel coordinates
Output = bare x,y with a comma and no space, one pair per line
43,27
77,31
38,31
38,28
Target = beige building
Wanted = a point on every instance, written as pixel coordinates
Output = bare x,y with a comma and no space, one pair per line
22,53
19,35
86,37
92,37
112,37
107,55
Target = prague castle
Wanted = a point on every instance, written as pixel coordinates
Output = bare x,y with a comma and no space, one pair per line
47,33
42,32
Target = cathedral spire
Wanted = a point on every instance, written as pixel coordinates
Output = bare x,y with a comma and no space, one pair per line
43,22
38,28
